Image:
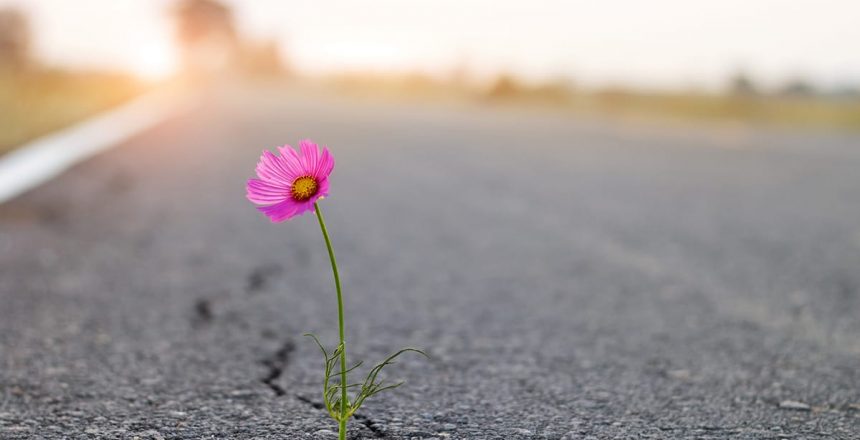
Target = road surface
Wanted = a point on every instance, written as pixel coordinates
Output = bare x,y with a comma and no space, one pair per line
571,278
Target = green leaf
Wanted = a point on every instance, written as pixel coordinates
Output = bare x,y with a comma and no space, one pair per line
371,387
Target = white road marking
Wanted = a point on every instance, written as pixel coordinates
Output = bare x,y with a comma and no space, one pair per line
44,158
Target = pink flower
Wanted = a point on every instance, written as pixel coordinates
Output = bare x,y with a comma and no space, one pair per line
290,184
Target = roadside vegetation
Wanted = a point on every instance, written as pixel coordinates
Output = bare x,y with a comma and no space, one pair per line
37,102
796,105
36,99
779,108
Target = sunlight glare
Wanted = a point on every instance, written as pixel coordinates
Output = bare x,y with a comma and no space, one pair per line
155,61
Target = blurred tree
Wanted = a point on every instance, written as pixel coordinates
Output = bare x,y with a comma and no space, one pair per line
212,46
261,59
558,90
741,84
845,91
505,86
207,36
798,87
14,40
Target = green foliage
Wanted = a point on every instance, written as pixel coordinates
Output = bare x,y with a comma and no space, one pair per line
371,385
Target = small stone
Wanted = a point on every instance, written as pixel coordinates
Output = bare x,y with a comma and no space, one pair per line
242,394
154,435
16,428
794,405
324,433
681,374
522,431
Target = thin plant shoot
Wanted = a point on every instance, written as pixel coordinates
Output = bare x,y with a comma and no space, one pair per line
290,185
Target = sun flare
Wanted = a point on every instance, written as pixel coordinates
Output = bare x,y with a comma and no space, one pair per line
155,61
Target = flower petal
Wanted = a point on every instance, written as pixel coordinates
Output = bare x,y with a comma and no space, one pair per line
306,206
291,161
263,192
310,156
322,191
281,211
325,165
275,169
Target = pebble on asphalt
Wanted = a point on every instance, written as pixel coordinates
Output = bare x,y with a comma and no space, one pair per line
794,405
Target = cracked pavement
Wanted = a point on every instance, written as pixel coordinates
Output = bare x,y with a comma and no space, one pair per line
571,278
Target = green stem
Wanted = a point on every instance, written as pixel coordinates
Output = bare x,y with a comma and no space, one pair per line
344,403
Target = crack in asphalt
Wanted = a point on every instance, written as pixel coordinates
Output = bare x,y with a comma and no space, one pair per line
260,276
276,364
365,421
315,405
370,424
203,314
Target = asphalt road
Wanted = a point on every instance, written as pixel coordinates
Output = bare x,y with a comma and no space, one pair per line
571,279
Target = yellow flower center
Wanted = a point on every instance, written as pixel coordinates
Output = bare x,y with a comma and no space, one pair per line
304,188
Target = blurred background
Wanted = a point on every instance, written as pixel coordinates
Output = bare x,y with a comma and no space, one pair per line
764,61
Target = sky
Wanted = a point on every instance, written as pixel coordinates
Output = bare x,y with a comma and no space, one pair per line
661,44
